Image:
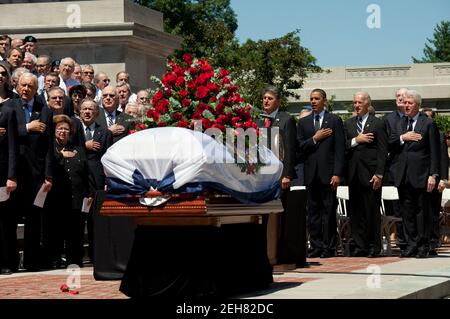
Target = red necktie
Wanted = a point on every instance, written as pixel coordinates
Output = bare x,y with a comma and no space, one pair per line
267,122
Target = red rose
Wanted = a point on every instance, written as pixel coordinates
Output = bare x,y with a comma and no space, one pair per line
206,124
169,78
177,116
186,103
180,81
212,87
193,71
191,85
197,115
201,92
219,108
162,124
235,120
225,81
182,94
223,73
187,57
64,288
162,106
183,123
158,96
178,70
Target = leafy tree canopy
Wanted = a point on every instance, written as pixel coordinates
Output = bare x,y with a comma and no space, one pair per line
438,49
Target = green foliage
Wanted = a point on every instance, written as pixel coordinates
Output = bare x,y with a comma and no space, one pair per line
443,122
439,48
329,104
207,28
204,25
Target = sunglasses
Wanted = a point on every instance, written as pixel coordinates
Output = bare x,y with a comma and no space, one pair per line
4,73
86,72
106,80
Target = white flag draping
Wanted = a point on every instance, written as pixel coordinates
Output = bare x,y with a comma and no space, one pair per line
171,159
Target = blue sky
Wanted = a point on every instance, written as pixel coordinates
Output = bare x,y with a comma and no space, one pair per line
336,31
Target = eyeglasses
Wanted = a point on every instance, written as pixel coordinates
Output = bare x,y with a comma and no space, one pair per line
110,95
87,72
57,97
106,80
4,73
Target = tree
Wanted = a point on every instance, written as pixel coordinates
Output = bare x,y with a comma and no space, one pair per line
281,62
206,26
439,48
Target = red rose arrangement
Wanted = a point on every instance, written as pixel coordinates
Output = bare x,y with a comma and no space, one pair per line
192,92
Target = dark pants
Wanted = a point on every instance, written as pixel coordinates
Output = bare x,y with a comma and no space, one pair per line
365,217
416,214
321,210
292,243
435,234
8,237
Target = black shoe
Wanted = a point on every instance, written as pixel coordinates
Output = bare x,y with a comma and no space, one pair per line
373,254
359,253
432,252
422,253
6,271
410,252
327,254
315,253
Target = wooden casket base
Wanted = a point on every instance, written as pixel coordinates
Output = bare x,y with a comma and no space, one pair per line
203,246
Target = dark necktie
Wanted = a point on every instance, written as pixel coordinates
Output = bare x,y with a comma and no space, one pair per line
267,122
110,119
88,133
359,125
410,125
27,113
317,122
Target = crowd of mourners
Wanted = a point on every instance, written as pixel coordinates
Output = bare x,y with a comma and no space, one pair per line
57,119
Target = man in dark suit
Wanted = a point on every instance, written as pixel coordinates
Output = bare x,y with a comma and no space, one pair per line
322,143
416,142
437,192
51,80
393,206
289,241
119,123
366,145
34,167
9,153
112,236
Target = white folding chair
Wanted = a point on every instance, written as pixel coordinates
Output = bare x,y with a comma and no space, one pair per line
343,221
388,193
443,215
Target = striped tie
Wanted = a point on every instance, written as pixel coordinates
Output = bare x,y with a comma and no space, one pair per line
110,120
359,125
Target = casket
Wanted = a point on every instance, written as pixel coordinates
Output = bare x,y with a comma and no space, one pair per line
190,210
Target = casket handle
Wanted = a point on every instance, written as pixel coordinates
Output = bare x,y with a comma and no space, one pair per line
153,194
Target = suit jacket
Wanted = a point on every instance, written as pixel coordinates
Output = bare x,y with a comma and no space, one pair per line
417,160
443,169
324,158
9,144
71,181
35,149
391,121
366,159
121,118
68,107
288,131
104,137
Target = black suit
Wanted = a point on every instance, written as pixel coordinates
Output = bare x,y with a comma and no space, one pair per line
416,162
323,160
35,162
291,244
65,220
121,118
68,107
364,161
9,154
112,236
